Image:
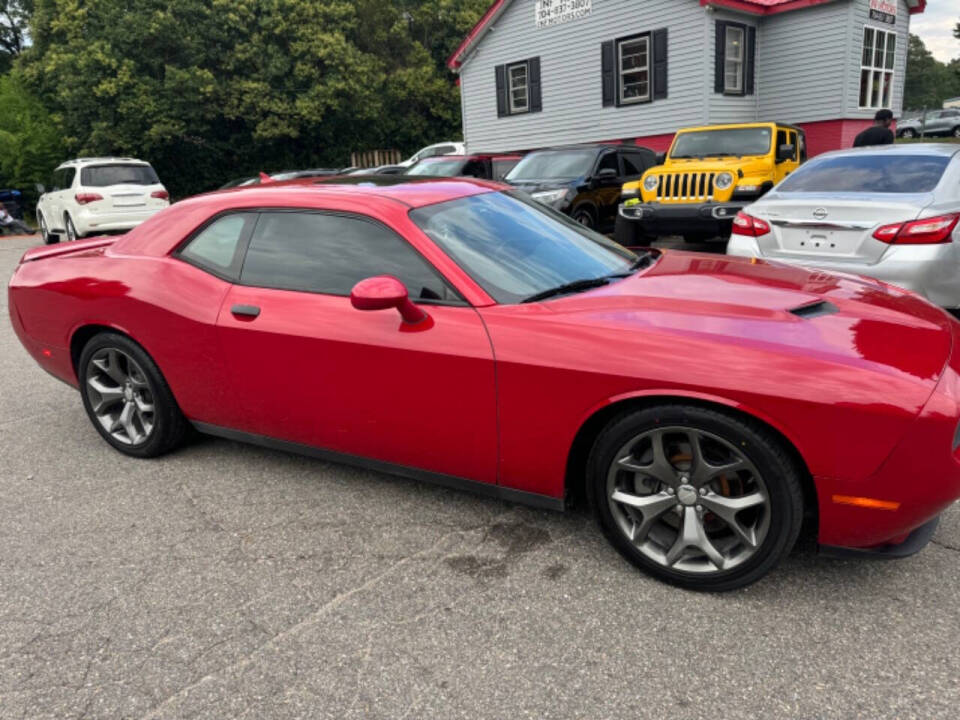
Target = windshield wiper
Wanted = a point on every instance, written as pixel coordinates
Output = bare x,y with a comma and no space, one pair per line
570,287
646,257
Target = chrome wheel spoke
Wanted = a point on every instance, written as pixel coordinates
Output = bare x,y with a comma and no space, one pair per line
107,395
650,508
660,469
120,396
126,421
693,534
142,405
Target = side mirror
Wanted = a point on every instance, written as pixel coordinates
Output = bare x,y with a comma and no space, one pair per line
40,188
661,158
607,174
785,152
383,292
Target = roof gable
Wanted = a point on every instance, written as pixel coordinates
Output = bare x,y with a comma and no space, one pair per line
754,7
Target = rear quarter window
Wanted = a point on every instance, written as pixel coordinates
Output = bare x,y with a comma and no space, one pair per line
866,173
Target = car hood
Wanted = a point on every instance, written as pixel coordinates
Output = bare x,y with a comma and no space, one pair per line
774,308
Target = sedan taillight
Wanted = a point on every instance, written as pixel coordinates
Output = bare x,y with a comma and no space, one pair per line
928,231
750,226
84,198
160,194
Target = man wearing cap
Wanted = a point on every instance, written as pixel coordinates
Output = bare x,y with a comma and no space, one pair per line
880,133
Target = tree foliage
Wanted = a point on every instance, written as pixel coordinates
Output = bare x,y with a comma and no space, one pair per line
13,30
928,81
212,89
29,141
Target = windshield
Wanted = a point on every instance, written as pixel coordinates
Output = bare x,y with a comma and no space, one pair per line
514,247
438,168
722,143
104,175
553,164
862,173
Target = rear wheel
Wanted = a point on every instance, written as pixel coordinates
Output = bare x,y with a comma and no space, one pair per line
49,238
694,496
909,133
127,399
583,216
70,229
956,131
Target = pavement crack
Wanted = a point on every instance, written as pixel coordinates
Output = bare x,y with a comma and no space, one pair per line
946,546
296,628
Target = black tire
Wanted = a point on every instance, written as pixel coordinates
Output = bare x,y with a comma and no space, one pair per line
69,229
170,427
909,133
956,131
585,217
48,237
763,448
628,233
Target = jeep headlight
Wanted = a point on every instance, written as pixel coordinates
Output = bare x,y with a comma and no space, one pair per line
650,182
723,181
549,197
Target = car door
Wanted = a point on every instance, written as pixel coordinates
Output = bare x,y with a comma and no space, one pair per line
311,369
51,204
935,122
606,192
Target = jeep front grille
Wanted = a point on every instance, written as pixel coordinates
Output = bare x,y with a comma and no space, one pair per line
686,187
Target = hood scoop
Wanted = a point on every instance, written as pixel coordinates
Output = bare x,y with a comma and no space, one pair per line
813,310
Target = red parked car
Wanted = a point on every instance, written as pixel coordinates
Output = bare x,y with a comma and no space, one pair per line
457,331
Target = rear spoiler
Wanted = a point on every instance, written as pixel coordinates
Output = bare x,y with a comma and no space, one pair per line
67,248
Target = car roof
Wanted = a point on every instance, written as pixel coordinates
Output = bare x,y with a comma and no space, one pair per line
101,160
411,191
474,156
933,149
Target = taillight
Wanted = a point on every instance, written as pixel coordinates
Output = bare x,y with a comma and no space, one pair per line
160,194
928,231
84,198
750,226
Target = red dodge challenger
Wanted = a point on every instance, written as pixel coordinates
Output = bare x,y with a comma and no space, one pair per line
459,332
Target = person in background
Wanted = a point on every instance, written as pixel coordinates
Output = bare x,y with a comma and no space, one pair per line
10,224
880,133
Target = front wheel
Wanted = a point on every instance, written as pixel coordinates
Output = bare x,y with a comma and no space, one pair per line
127,399
695,497
908,133
956,132
70,229
584,217
628,233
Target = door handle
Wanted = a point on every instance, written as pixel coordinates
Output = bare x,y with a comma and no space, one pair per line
250,311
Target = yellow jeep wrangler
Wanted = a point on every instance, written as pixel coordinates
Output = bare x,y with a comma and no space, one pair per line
709,175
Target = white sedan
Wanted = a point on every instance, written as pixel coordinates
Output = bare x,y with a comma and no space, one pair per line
889,212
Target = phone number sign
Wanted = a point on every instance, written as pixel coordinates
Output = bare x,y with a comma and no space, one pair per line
884,11
557,12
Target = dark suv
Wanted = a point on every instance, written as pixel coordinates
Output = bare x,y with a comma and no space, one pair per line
488,167
582,181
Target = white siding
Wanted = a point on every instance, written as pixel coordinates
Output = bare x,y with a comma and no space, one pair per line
729,108
571,76
801,61
860,18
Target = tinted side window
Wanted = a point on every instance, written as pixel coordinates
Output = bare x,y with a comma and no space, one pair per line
218,247
633,164
502,167
326,253
609,161
68,175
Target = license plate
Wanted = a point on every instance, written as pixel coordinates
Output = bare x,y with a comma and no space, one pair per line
128,200
817,240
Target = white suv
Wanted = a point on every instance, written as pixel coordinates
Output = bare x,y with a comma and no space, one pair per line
446,148
98,195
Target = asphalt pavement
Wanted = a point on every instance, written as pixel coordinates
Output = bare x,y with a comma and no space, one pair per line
229,581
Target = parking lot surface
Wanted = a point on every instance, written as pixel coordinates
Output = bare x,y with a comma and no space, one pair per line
228,581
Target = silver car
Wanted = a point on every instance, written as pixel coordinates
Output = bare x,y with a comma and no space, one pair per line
938,122
889,212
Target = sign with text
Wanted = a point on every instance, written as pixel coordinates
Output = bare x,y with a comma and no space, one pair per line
556,12
884,10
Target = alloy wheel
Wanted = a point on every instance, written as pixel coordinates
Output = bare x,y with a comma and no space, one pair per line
120,396
688,500
71,230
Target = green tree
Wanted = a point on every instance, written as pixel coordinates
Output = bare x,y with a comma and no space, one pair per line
13,30
212,89
29,140
928,81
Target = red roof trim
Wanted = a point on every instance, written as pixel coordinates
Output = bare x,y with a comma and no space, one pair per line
455,60
754,7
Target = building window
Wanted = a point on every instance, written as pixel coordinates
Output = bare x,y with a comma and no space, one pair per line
876,68
634,69
733,55
519,92
518,88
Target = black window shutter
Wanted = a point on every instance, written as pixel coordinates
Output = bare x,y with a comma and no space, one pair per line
609,74
721,53
501,72
660,64
533,80
751,59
